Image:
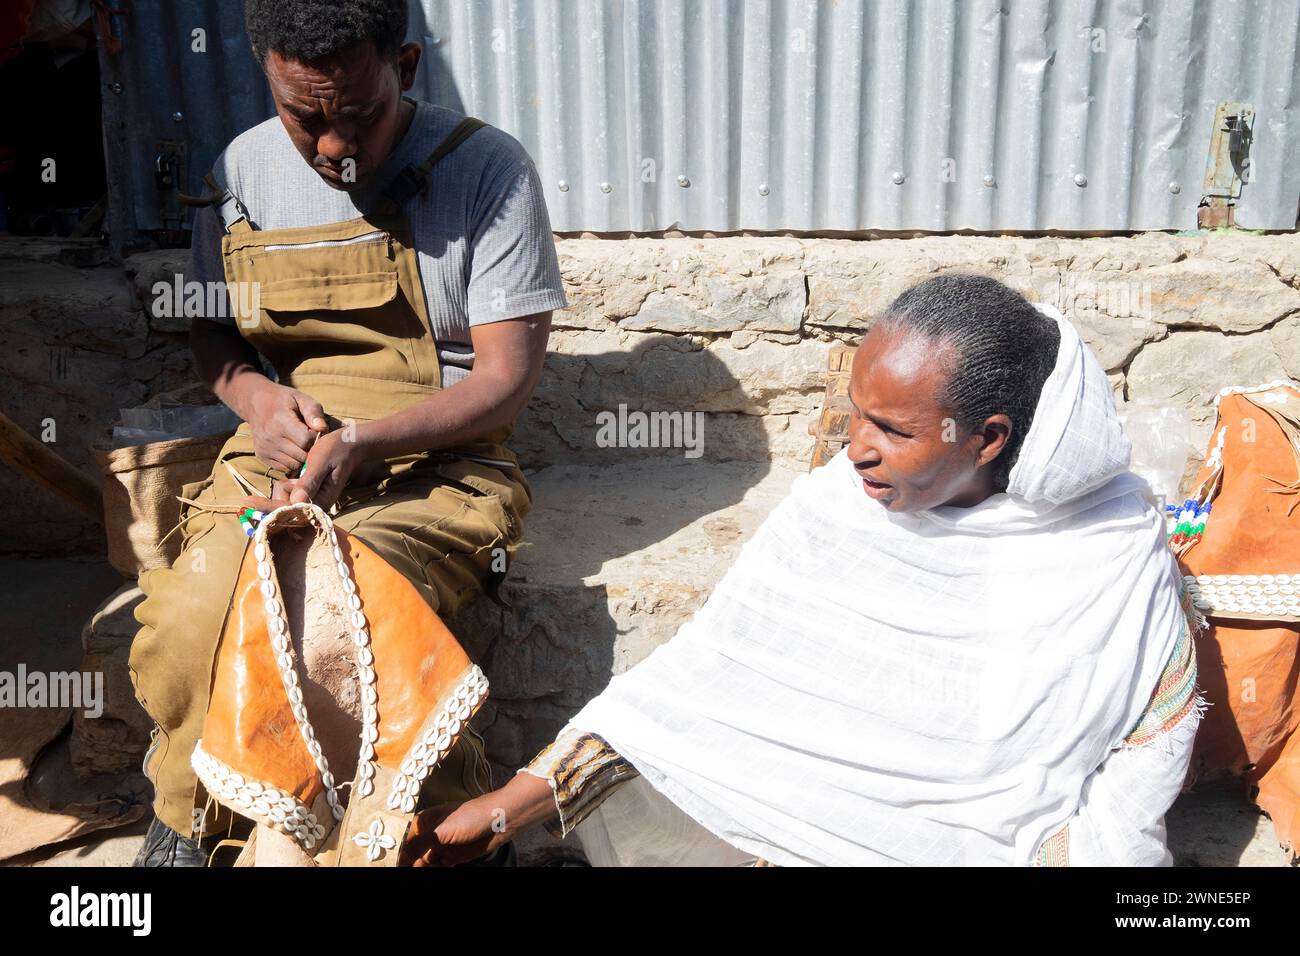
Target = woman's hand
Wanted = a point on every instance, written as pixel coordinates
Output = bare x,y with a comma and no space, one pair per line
285,425
448,835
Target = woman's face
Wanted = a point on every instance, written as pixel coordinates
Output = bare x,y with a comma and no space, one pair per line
904,442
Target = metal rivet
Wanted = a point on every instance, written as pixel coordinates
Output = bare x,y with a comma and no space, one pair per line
990,181
116,88
762,189
1080,179
683,182
605,187
1175,188
898,178
562,185
177,116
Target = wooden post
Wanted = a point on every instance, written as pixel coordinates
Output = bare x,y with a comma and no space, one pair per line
35,459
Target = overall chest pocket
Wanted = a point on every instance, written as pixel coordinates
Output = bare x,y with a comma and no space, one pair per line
314,297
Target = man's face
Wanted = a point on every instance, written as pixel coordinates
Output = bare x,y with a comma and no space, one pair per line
343,113
906,446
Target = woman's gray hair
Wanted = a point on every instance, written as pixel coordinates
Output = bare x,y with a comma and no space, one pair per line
1005,350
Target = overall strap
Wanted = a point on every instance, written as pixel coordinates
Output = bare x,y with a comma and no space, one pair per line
411,180
415,179
234,217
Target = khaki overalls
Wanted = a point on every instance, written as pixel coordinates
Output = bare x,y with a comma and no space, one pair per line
343,318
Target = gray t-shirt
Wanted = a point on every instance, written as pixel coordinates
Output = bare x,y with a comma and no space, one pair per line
482,233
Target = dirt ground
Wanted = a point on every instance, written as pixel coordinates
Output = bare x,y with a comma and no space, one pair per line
44,602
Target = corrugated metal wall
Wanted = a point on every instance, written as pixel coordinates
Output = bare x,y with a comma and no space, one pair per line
1017,115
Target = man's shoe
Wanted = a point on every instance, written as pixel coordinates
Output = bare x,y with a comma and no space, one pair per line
163,846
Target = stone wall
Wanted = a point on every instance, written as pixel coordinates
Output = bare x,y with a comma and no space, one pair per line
78,345
738,327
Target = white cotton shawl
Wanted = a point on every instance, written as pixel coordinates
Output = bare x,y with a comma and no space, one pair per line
927,688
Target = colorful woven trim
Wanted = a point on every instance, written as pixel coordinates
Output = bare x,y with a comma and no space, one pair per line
1189,522
582,770
1174,697
1055,850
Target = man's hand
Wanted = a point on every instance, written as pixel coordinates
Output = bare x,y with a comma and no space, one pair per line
279,496
330,464
288,426
285,424
284,421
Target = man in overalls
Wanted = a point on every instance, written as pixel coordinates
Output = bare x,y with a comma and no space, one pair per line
393,262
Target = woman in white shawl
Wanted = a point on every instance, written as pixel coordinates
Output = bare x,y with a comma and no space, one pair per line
962,641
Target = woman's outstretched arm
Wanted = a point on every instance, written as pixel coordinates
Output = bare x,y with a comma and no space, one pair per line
560,787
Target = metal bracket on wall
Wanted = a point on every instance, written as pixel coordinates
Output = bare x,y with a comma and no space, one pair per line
1227,167
169,173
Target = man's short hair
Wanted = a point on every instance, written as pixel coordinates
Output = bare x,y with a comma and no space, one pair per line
310,30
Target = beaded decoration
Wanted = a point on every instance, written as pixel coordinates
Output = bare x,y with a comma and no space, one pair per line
278,628
1272,596
1252,389
1189,523
374,840
430,748
248,517
1193,514
1265,596
261,801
